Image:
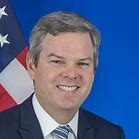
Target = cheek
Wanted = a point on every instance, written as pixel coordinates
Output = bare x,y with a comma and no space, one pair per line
41,76
46,76
88,77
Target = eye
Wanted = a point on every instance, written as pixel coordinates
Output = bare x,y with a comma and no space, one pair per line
57,61
83,64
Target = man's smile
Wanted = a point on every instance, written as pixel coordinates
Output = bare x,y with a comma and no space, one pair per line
67,88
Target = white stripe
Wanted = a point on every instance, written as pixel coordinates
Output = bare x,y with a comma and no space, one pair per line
16,81
59,136
62,130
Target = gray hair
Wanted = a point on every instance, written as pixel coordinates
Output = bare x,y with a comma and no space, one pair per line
61,22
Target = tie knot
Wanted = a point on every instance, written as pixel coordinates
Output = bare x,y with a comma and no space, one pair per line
62,132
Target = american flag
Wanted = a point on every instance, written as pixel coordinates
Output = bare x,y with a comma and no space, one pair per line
15,84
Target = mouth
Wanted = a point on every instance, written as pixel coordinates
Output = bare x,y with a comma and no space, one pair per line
67,88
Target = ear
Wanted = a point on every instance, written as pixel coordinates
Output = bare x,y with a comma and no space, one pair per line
30,67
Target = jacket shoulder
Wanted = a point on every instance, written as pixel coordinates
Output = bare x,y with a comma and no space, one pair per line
12,115
9,116
95,119
102,126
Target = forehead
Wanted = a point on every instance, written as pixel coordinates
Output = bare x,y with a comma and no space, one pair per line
68,45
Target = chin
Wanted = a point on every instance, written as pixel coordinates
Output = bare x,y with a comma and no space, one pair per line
70,107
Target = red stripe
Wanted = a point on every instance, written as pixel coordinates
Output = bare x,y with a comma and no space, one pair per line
6,100
21,57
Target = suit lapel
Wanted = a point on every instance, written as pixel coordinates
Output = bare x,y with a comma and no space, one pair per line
29,125
85,129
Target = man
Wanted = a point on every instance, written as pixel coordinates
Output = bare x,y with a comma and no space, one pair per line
62,60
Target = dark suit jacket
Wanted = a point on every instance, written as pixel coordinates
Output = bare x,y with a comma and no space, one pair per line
20,122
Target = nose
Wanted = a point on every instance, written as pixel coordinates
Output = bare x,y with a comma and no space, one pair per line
71,73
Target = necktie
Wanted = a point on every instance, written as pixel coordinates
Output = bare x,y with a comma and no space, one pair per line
62,132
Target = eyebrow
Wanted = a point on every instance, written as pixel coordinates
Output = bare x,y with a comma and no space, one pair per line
87,58
61,57
54,55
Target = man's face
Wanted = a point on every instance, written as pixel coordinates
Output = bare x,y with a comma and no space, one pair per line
64,74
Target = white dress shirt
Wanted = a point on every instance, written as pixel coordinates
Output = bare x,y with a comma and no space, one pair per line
48,124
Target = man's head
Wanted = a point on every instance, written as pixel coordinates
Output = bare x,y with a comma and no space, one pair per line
62,22
62,60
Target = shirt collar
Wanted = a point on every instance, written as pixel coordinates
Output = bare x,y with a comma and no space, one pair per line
47,123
